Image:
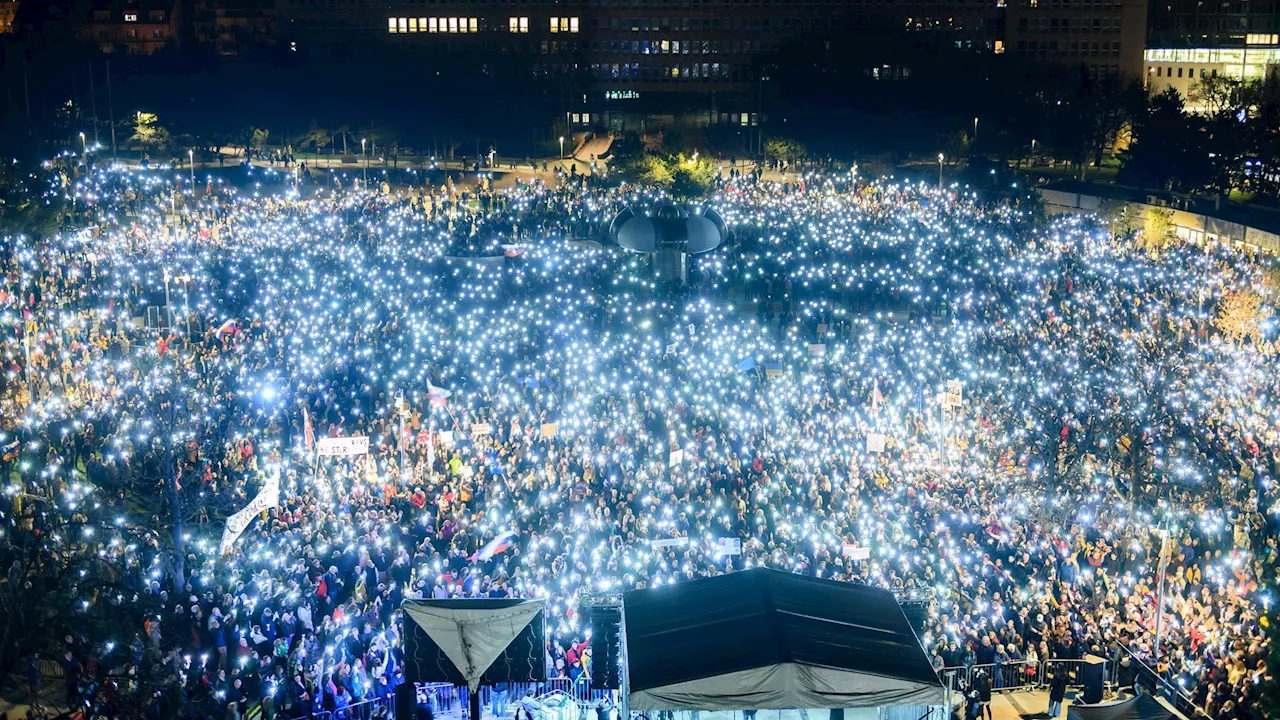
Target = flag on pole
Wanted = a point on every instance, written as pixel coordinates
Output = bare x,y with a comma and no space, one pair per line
437,395
876,397
495,546
227,328
309,433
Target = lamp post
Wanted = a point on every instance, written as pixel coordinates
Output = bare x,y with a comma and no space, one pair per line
939,170
365,157
974,145
191,160
561,149
84,146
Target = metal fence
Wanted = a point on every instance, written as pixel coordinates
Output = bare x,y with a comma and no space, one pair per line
1023,675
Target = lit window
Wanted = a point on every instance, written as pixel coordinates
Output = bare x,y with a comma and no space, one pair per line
131,17
391,25
555,25
432,25
453,24
413,25
473,24
404,24
524,24
573,25
513,24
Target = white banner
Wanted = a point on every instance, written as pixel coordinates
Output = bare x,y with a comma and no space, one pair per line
268,497
853,552
817,349
669,542
676,457
342,446
729,546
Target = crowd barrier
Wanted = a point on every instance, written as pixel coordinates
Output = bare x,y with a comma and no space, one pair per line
1022,675
370,709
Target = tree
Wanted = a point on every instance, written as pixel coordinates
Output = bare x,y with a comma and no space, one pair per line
258,140
316,138
1157,230
1240,316
148,133
691,176
651,169
1166,151
783,149
1120,217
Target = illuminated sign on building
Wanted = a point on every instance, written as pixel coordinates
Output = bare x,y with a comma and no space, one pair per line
621,95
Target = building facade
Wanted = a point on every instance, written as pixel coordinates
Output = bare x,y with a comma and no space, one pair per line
8,16
1106,37
135,27
234,27
1192,40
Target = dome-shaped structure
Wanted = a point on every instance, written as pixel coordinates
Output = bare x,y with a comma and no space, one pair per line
671,232
668,226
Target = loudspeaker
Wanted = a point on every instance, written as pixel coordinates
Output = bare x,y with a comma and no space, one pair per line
406,701
606,637
1091,672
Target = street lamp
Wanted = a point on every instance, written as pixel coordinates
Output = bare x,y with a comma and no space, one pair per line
939,169
83,146
365,157
562,149
191,160
973,145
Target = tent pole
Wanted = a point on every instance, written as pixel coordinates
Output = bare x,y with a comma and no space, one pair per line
624,670
474,697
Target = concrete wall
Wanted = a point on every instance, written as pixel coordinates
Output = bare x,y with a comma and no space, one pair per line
1188,225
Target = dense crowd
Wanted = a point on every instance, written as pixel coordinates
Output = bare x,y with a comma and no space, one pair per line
1031,424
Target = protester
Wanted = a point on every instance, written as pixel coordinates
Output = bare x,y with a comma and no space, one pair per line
1009,414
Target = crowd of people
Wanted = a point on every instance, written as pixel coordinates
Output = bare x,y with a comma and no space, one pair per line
1032,424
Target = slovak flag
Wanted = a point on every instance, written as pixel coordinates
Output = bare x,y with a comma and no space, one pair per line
437,395
227,328
495,546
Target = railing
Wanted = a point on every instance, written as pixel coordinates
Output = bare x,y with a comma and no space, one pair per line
1020,675
445,696
378,707
1146,678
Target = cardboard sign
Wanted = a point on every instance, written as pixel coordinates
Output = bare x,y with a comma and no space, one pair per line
729,546
817,349
677,457
342,446
875,442
550,430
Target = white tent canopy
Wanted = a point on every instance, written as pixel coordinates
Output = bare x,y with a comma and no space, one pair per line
472,637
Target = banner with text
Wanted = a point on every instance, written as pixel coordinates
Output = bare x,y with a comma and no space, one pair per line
342,446
268,497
